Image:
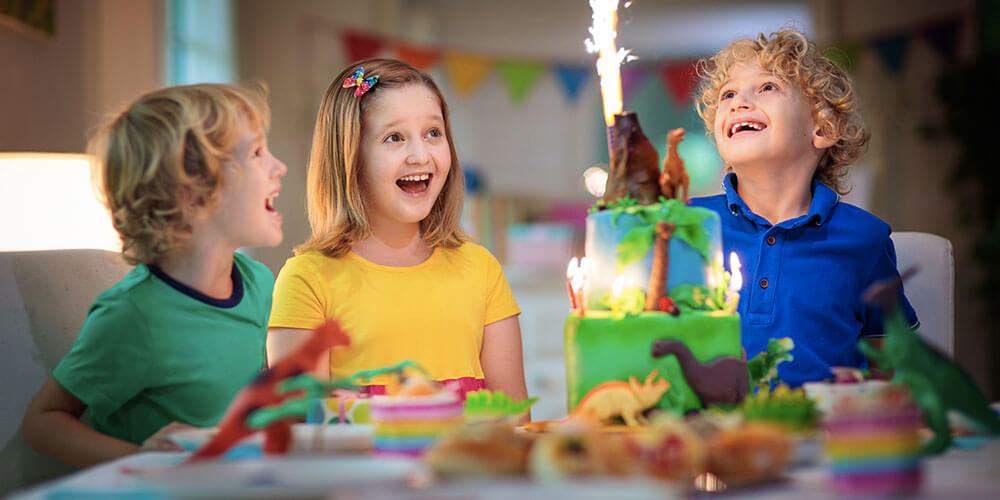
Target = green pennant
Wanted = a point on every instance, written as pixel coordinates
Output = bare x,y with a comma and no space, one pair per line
847,58
519,76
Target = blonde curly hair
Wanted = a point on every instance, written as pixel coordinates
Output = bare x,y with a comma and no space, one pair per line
164,154
795,60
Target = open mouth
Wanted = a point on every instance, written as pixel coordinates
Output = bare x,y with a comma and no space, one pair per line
746,126
414,184
269,203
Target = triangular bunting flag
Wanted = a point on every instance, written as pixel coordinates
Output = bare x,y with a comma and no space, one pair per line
844,57
358,45
892,51
943,37
679,80
571,79
466,70
519,76
422,58
631,76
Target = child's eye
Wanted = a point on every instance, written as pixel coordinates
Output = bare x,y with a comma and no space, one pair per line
434,132
727,95
769,86
393,138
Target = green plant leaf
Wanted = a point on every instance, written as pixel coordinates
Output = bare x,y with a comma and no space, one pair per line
634,246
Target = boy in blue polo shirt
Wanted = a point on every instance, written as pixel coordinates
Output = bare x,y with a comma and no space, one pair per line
785,121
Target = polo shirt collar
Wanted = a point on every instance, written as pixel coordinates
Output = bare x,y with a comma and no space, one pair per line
821,207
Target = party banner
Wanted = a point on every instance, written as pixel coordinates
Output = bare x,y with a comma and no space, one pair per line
519,76
572,79
891,50
942,36
466,70
846,58
679,79
358,45
419,57
631,77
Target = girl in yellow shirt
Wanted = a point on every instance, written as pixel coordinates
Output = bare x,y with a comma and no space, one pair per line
387,257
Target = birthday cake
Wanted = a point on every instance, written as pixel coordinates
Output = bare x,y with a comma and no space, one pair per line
652,292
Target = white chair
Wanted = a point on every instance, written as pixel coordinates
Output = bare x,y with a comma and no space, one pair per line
44,298
931,291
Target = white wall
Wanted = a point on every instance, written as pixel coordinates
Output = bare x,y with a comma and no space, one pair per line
53,92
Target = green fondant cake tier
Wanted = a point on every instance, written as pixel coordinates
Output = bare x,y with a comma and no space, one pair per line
601,347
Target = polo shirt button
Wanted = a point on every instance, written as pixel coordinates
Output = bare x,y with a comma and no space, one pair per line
770,240
763,283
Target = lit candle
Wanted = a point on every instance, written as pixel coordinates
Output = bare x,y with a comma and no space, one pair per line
571,271
735,282
584,285
616,290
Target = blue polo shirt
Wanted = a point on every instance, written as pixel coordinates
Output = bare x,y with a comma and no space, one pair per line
803,278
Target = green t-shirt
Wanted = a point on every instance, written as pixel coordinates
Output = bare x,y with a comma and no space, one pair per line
153,351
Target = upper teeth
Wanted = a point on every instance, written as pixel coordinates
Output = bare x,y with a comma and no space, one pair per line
736,126
422,177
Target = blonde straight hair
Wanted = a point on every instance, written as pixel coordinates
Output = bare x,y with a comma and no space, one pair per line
168,150
338,215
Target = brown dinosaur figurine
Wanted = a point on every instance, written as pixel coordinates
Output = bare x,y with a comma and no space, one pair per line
674,175
720,381
625,399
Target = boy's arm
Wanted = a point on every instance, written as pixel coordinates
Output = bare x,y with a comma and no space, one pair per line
52,426
501,357
281,341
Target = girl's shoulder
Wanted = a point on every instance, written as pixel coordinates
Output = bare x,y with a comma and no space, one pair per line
312,263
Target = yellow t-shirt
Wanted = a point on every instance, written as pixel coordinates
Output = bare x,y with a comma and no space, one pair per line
432,313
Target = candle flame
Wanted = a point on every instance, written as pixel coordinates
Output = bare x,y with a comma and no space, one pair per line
617,286
602,42
572,268
735,270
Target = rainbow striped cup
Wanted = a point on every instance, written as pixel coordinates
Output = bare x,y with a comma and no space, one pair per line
875,449
406,425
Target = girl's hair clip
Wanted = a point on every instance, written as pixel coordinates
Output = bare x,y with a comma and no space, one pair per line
358,80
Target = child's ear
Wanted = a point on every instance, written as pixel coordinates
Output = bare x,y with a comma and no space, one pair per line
822,139
192,204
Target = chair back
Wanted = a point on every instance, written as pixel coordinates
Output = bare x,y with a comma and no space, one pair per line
44,298
931,291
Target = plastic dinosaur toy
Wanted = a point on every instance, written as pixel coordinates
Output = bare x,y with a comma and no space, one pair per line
937,384
722,381
625,399
763,367
674,175
264,391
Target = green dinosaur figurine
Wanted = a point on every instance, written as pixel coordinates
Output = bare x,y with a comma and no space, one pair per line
937,383
764,366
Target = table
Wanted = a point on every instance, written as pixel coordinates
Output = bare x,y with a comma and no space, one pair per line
961,473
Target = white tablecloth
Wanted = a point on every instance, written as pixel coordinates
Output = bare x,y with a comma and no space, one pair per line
960,474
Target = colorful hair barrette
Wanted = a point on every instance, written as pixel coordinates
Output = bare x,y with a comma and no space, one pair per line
363,84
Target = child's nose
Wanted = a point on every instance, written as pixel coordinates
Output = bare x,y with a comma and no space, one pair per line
417,153
740,102
280,169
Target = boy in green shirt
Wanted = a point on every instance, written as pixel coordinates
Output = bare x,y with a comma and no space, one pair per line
188,178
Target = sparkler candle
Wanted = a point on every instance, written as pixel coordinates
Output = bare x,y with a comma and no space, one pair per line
633,161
